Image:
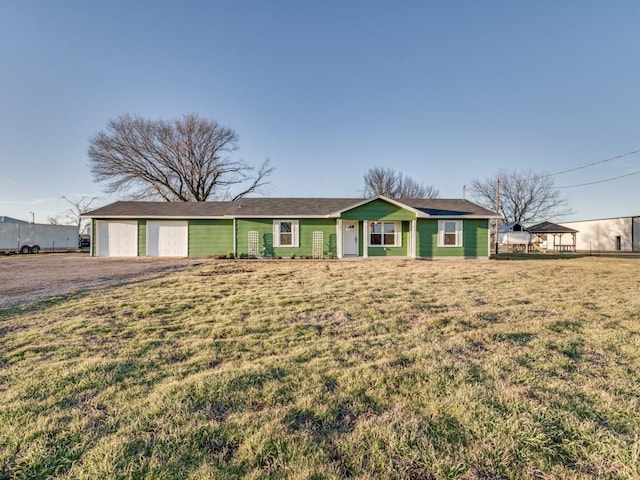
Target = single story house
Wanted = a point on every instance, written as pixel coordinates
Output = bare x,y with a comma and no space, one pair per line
282,227
620,234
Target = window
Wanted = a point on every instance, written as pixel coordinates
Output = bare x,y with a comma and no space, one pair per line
285,233
385,234
450,233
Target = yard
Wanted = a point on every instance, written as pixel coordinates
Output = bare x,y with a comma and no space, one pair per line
324,369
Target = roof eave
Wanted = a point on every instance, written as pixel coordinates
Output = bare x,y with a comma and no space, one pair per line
158,217
479,217
276,216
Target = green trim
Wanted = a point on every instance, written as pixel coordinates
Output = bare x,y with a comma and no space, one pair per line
142,238
94,236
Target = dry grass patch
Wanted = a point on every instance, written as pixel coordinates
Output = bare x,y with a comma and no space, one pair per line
371,369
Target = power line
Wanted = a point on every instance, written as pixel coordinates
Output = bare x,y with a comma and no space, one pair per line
594,163
601,181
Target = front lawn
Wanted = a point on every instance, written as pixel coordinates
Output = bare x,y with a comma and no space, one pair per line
330,369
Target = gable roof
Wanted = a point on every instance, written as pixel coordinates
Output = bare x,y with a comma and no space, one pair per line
397,203
548,227
283,208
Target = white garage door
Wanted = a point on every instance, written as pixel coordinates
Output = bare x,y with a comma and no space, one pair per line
117,239
167,239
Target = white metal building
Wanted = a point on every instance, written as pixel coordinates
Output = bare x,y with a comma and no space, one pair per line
620,234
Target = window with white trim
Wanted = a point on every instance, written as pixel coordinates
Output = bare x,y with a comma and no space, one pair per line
285,233
385,234
450,233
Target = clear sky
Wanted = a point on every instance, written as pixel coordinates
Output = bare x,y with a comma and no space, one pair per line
444,91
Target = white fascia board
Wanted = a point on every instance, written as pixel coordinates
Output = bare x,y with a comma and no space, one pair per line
277,217
155,217
463,217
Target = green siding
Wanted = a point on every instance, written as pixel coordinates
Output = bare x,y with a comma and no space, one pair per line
210,237
474,240
306,227
215,237
400,251
142,238
264,227
378,210
327,226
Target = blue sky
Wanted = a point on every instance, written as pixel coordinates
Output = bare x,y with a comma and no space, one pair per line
442,91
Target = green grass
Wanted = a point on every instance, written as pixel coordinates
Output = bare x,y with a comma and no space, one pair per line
294,369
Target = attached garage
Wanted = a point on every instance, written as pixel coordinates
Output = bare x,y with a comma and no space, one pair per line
117,238
167,238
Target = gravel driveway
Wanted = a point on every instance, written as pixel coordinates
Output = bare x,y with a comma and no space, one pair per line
24,278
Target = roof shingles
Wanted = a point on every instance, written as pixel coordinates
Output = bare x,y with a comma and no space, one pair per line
276,207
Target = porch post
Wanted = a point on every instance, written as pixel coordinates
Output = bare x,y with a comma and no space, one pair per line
414,237
365,238
339,238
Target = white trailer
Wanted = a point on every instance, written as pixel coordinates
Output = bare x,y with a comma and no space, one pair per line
36,237
517,241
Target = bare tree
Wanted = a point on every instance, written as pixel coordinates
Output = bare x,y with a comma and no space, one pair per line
187,159
526,197
73,215
392,184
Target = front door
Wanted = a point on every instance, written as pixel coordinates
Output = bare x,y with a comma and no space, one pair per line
349,238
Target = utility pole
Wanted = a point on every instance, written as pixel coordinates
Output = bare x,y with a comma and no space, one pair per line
498,212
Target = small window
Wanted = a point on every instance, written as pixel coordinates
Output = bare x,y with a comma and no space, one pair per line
450,233
285,233
385,234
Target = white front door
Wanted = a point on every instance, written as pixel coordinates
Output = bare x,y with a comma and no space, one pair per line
349,238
